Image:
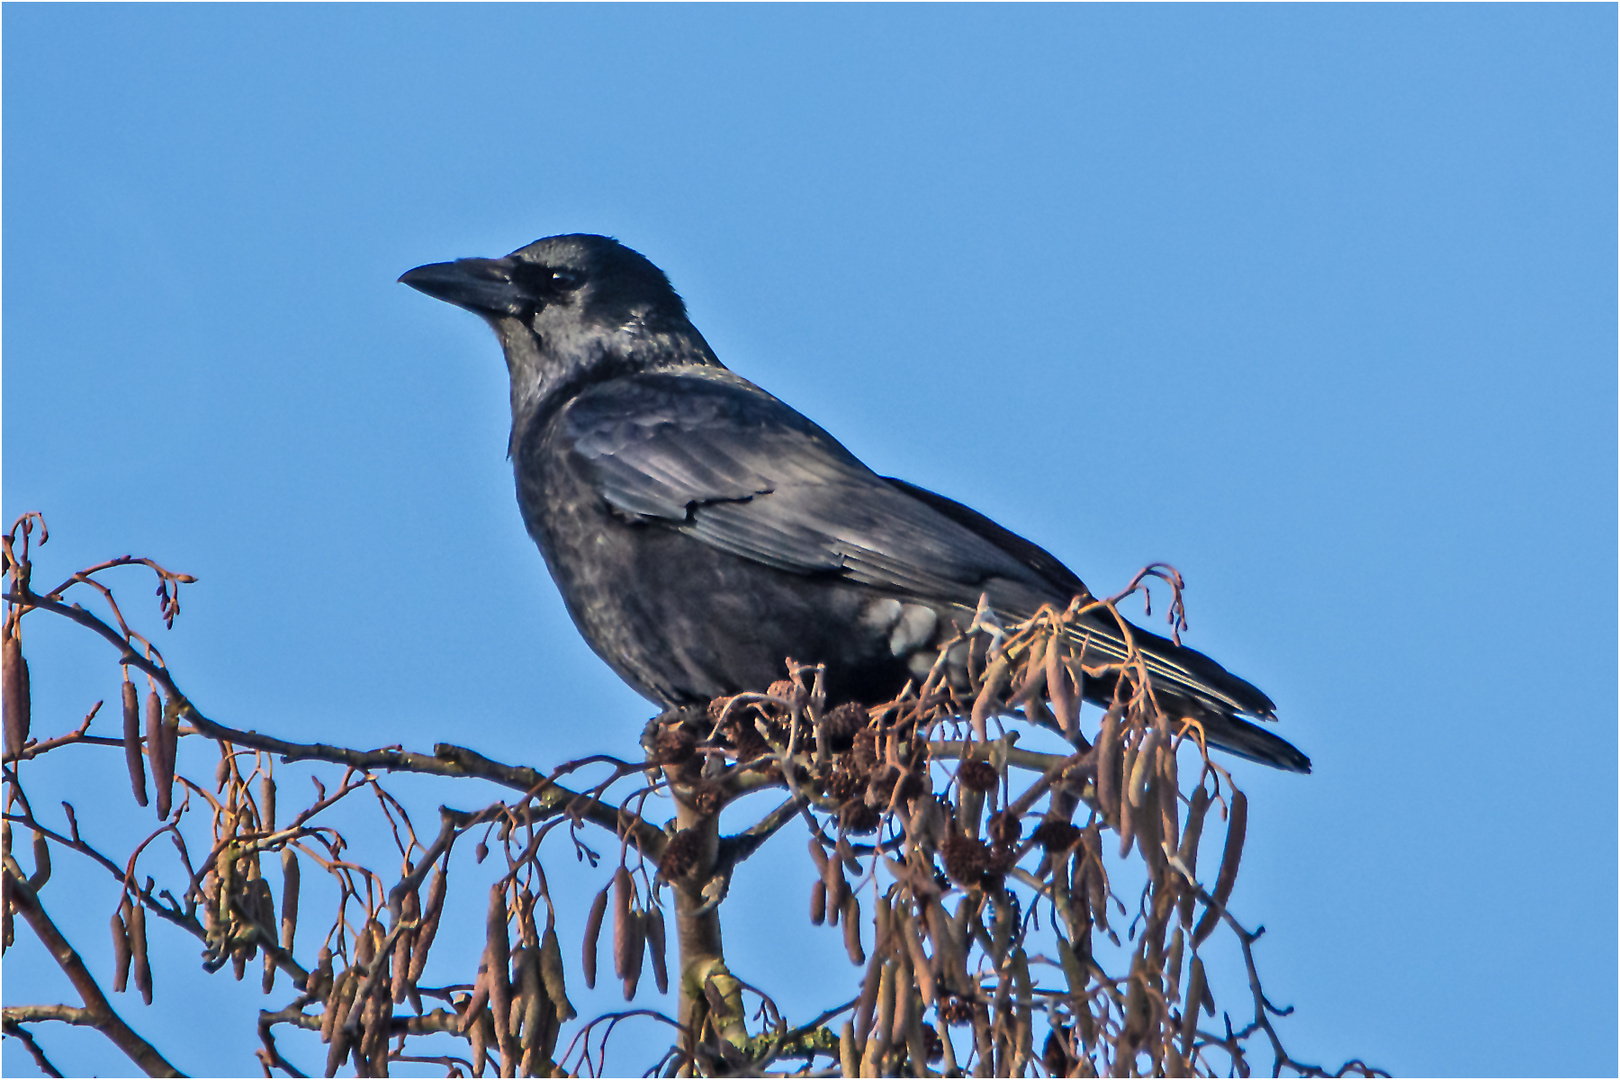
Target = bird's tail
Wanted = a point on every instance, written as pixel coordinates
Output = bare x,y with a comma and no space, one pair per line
1188,683
1238,736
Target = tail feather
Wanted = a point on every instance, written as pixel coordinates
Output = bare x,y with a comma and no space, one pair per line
1238,736
1186,679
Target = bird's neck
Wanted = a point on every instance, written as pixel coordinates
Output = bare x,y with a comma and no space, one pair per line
544,375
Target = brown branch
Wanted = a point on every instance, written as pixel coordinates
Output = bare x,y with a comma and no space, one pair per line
175,915
1036,761
66,1014
34,748
23,1035
738,848
446,760
100,1014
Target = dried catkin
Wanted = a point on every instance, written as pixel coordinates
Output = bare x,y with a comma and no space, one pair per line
1188,849
1109,765
137,944
621,923
289,897
133,758
121,951
1236,826
430,925
409,912
637,952
551,971
593,931
852,930
157,753
267,803
656,949
42,863
14,691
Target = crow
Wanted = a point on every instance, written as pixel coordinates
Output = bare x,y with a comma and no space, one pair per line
701,531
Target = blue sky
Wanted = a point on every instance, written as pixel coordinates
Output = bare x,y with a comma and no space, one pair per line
1316,303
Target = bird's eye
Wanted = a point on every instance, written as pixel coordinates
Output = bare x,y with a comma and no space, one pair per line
566,279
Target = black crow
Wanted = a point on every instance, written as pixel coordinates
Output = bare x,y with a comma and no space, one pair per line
701,531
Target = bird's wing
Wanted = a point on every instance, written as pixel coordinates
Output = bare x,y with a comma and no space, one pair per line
717,458
1171,665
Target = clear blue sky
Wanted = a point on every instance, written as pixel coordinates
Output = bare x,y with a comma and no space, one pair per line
1316,303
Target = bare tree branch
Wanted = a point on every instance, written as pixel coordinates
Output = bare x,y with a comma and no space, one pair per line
98,1012
14,1029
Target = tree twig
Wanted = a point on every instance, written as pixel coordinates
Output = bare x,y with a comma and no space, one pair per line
26,1037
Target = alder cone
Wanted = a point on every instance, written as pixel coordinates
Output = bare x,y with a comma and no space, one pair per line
979,775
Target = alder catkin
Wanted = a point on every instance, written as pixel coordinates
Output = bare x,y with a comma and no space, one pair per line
1127,815
319,981
1236,826
1169,792
157,750
42,863
1188,850
1196,988
338,1008
832,876
922,968
14,694
532,993
289,897
137,945
133,758
1058,691
638,952
478,1037
430,925
409,912
480,996
866,1002
818,903
656,949
265,902
551,971
622,931
852,930
365,946
593,931
498,950
1109,765
331,1003
267,803
818,855
1142,762
1172,966
121,951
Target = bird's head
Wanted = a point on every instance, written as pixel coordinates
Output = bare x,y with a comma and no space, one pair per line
570,306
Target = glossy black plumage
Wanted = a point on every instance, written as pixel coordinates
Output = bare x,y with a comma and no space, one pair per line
701,531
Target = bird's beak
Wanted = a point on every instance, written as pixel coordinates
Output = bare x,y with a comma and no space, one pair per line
482,286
